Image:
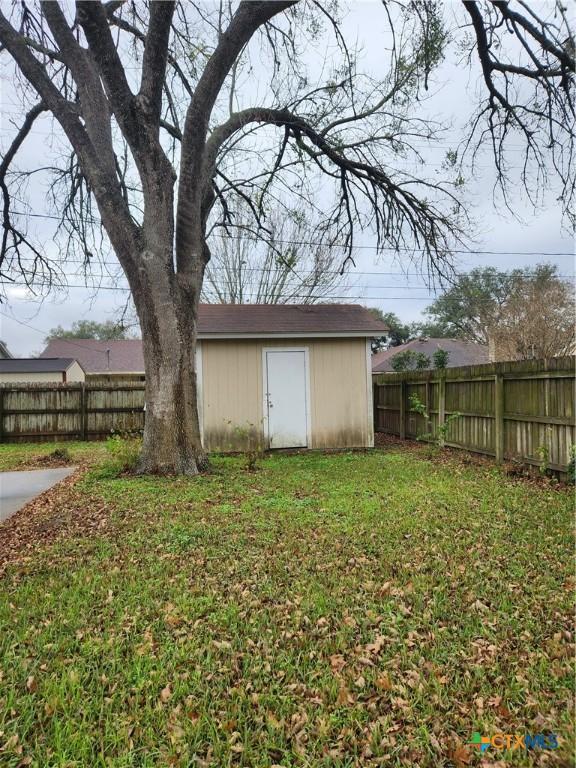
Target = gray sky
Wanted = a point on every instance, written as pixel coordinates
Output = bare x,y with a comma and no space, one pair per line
523,241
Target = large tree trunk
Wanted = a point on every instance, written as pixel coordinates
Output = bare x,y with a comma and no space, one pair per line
168,310
172,441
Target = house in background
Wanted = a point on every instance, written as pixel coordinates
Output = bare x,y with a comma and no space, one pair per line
103,361
32,370
4,352
459,353
275,376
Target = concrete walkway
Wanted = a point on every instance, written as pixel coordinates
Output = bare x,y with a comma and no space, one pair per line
18,488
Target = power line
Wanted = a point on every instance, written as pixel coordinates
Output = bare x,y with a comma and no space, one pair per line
307,296
341,245
432,144
211,267
123,289
287,286
70,341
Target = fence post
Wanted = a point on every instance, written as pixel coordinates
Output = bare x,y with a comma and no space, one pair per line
402,410
83,412
441,404
499,417
1,414
375,406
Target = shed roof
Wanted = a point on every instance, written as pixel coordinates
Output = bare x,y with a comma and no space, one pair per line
228,321
35,364
460,353
302,319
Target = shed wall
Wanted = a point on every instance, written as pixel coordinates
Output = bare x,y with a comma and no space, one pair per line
75,373
33,377
232,392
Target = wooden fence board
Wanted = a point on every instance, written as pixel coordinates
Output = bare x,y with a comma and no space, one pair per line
514,410
79,411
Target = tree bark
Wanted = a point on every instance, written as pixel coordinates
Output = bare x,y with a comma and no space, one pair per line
172,442
172,439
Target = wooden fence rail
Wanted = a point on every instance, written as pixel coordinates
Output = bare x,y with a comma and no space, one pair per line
82,411
520,410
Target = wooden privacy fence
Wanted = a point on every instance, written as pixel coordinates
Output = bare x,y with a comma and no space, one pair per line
86,411
520,410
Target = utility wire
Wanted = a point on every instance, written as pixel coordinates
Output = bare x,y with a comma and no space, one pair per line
341,245
348,297
267,270
43,332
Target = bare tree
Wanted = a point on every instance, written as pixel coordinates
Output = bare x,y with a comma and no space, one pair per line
147,98
537,320
288,267
520,313
529,92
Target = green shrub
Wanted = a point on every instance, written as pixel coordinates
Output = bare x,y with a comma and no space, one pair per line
247,436
438,436
440,358
409,360
124,452
61,454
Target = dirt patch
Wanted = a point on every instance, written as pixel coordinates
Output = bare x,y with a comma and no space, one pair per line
61,512
58,458
512,470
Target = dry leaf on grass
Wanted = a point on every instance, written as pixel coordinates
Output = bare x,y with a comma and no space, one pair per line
461,757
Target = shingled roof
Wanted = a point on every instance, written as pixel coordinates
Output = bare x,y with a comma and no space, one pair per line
35,364
460,353
228,321
304,319
117,356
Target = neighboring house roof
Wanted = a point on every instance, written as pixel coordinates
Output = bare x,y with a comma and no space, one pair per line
117,356
228,321
460,353
4,351
36,364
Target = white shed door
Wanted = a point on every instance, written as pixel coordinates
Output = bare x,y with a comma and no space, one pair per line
286,402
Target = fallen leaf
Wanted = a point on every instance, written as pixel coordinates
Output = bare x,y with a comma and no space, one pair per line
461,757
344,697
384,683
222,645
11,743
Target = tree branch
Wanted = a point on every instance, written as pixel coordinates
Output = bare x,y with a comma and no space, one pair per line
249,16
156,57
8,228
95,106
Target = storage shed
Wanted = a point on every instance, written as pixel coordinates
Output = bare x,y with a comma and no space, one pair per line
286,376
34,370
269,375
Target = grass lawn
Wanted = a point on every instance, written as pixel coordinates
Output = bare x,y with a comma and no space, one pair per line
22,456
342,610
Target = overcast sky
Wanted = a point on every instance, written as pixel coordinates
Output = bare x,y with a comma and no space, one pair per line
500,239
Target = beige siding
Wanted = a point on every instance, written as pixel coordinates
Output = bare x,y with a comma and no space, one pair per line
75,373
31,378
341,416
232,394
